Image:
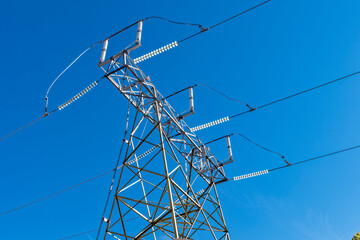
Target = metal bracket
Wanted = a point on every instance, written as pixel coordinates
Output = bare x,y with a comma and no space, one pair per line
129,49
191,110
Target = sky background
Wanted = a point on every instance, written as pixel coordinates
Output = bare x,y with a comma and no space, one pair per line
277,50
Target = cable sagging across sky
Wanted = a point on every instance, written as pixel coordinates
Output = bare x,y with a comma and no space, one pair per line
115,34
103,174
293,164
203,126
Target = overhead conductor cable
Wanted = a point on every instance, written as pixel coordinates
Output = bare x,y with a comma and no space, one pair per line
103,174
276,101
105,41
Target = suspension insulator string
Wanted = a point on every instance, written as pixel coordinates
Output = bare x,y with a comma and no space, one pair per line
200,192
113,236
155,52
77,96
142,155
210,124
250,175
61,107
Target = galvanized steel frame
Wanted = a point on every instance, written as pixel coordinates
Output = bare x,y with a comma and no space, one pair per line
189,210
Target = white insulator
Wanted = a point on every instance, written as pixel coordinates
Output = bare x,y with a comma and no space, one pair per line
229,148
155,52
255,174
77,96
191,99
142,155
200,192
103,52
138,34
210,124
113,235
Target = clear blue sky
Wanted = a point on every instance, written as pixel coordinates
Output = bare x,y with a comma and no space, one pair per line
279,49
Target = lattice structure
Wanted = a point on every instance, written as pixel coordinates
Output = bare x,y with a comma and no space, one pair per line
167,185
172,188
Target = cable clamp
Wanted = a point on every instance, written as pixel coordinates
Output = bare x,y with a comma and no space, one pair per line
288,164
203,29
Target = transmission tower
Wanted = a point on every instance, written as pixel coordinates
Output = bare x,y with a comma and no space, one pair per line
167,184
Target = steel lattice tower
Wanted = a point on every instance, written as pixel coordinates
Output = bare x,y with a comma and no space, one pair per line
167,185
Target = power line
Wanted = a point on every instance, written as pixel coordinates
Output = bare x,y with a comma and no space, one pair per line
219,23
296,94
115,170
67,189
211,88
45,115
262,147
93,230
259,173
78,234
175,43
82,53
175,22
75,60
27,125
267,104
252,142
103,174
120,31
315,158
239,14
111,36
225,119
61,107
226,96
54,194
57,77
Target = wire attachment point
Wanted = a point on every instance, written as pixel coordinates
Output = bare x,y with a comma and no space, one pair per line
288,164
203,29
251,108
